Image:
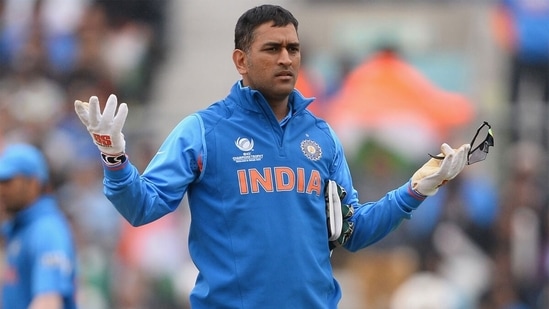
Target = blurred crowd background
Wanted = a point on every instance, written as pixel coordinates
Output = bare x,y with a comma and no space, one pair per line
394,78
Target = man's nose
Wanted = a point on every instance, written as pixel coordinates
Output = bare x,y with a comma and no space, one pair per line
284,57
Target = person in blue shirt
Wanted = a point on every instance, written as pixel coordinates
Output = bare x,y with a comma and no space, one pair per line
39,271
520,29
258,170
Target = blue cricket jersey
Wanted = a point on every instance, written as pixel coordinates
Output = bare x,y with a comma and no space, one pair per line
40,256
255,186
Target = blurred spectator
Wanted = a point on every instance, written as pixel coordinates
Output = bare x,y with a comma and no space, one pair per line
135,44
124,39
51,24
31,100
522,225
521,30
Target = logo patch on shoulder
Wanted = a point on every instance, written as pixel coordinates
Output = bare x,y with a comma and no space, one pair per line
311,150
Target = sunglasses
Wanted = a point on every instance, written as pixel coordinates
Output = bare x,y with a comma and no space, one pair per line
478,151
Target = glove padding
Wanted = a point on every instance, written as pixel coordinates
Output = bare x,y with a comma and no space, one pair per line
106,128
436,172
337,215
334,216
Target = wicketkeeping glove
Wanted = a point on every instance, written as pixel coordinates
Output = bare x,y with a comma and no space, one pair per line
106,128
337,215
436,172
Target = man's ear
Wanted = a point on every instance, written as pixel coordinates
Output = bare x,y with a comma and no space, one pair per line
239,59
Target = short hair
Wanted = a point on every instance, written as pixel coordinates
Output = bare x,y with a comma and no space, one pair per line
254,17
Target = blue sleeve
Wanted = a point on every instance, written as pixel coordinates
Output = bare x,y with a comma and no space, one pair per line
159,191
372,220
53,260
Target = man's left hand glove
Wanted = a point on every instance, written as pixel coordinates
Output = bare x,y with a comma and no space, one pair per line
436,172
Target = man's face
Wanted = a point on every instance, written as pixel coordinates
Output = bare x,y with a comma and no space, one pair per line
16,193
271,65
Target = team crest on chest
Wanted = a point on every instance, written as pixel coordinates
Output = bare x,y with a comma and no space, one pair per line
311,149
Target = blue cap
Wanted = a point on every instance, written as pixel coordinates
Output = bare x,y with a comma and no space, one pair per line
23,160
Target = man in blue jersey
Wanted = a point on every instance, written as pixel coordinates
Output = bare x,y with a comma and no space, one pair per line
255,167
39,271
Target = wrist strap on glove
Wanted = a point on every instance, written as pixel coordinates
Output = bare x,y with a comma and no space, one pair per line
113,160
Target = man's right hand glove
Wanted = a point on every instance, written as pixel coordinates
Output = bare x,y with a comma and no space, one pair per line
106,128
437,172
